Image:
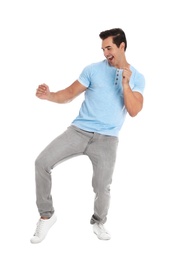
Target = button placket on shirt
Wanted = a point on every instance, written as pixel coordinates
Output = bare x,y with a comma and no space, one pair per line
117,77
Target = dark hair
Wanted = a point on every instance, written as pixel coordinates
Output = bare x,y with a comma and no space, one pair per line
117,34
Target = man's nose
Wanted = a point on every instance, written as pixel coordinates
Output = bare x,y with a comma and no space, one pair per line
105,53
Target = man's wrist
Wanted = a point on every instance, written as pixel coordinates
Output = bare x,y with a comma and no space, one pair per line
51,96
126,85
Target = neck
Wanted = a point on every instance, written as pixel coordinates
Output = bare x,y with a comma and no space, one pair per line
122,63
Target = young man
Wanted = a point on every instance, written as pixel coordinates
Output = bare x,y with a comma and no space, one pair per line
112,89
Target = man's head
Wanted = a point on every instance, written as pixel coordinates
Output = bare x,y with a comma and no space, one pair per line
117,34
114,44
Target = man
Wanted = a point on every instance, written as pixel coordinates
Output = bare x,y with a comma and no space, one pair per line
112,89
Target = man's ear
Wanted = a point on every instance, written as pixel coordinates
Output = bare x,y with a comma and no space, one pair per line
122,45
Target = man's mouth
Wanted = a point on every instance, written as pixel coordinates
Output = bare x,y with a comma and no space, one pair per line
110,58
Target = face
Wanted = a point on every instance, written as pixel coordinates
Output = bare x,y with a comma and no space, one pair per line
111,52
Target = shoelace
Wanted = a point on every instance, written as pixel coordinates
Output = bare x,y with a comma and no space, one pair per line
102,228
39,228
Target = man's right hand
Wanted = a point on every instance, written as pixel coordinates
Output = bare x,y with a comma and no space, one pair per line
43,91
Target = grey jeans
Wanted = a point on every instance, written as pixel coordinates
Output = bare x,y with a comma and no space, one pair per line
101,149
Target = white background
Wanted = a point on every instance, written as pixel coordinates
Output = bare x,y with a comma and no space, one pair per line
51,42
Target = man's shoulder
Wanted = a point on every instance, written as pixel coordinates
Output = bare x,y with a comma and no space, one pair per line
134,69
136,73
98,64
138,79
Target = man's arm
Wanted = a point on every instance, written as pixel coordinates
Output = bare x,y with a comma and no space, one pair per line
62,96
133,100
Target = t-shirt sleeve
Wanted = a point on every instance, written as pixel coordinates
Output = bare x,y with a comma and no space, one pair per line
139,83
84,77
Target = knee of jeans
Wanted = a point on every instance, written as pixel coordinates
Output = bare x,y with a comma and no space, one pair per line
40,163
37,163
101,188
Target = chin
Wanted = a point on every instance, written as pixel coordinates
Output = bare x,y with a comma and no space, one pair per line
111,63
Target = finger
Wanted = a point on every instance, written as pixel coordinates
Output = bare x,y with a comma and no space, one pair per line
42,88
127,66
126,69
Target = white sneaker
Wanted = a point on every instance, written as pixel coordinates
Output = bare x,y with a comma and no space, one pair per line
101,232
42,229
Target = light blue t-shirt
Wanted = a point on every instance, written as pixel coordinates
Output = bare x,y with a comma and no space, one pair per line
103,110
